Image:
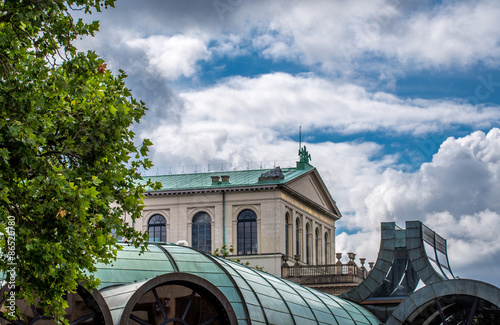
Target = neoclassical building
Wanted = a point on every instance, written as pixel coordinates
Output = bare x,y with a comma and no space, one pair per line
261,214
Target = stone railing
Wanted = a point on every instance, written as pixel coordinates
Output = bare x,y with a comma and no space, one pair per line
339,272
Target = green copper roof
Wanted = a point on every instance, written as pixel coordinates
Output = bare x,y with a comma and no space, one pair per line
238,178
256,297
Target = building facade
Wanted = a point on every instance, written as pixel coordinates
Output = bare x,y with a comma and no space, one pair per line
257,215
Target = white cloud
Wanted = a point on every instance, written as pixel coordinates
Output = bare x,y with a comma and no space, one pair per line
340,35
174,56
281,102
363,244
472,238
275,47
324,31
463,178
456,195
458,32
230,45
243,119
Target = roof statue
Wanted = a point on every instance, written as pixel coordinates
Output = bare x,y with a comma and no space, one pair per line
304,155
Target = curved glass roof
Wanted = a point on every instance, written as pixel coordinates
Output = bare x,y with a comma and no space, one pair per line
256,297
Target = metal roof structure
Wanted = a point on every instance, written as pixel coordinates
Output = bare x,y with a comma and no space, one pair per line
406,256
240,294
408,259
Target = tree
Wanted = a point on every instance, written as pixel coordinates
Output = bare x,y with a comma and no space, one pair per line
69,167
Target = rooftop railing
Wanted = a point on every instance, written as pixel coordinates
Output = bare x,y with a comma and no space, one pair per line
339,272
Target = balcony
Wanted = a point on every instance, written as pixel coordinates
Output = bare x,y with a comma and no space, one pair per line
331,278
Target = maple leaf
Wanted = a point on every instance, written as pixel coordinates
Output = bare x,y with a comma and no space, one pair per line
61,213
102,68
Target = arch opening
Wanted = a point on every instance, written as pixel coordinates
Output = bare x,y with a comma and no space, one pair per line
178,301
456,309
84,309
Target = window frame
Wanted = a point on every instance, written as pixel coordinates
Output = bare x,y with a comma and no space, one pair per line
162,226
247,222
195,227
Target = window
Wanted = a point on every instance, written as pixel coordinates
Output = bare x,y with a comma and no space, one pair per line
202,232
157,228
113,232
327,251
297,236
308,244
317,248
247,232
287,234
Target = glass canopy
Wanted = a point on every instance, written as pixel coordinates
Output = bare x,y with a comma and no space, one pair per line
253,297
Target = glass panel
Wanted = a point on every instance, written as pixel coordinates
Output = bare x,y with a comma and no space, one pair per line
429,250
443,261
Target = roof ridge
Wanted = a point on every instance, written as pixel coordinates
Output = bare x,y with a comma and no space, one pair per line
222,172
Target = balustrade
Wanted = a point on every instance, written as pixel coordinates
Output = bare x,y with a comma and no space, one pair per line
342,272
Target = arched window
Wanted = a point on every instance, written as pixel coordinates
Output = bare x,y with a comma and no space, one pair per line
201,234
308,244
247,232
113,232
327,250
287,234
297,236
316,244
157,228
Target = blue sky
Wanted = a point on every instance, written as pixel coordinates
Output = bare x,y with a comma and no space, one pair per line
399,103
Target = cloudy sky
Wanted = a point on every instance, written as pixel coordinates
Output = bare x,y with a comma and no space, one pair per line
398,100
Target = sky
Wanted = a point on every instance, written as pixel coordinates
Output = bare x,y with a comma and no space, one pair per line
398,103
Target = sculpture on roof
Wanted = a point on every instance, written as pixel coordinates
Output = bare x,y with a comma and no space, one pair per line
304,155
276,173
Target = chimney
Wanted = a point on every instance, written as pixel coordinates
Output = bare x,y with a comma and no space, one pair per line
215,180
225,179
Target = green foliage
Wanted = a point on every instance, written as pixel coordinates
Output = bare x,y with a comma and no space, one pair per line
69,166
259,268
223,252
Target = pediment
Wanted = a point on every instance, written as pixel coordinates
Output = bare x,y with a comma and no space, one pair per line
312,188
